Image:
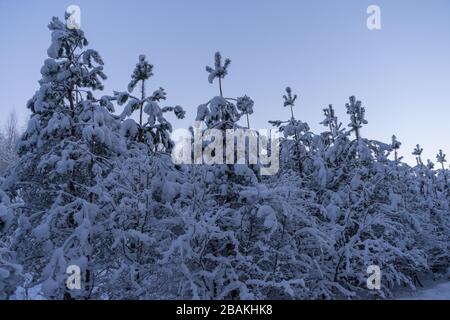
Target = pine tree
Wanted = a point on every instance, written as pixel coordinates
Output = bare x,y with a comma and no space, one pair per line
155,131
229,218
297,135
143,184
64,156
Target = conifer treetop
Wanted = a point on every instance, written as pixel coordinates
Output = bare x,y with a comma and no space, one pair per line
395,144
417,150
219,70
141,72
441,157
330,116
356,112
289,99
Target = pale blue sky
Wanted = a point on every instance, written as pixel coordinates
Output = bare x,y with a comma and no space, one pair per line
322,49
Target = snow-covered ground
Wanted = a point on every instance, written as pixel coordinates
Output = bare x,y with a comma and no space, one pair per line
433,291
438,291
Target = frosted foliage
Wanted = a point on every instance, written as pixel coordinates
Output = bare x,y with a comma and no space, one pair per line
91,188
245,104
219,70
142,71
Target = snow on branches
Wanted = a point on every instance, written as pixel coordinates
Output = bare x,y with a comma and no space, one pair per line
99,191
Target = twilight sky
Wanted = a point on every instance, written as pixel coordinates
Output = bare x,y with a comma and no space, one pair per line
322,49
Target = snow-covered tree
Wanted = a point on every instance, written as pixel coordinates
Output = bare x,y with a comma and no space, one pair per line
331,121
235,243
417,152
8,141
296,133
64,155
155,131
357,115
143,184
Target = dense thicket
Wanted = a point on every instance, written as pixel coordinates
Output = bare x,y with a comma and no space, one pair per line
96,188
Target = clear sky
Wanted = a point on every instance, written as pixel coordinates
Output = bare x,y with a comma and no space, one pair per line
322,49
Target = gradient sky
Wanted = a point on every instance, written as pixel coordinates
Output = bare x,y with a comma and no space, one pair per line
322,49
